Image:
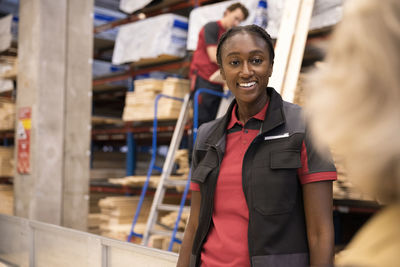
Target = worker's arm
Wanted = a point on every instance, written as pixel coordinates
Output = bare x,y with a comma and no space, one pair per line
317,199
190,231
212,53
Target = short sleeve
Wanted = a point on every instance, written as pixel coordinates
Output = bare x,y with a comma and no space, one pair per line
211,33
315,167
194,186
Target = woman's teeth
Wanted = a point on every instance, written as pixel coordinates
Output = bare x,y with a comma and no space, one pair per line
247,84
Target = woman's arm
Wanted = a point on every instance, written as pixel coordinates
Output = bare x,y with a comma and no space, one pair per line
317,199
190,231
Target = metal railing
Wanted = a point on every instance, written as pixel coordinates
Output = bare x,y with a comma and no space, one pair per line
30,243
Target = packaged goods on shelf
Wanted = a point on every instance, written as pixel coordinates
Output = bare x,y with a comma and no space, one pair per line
150,38
326,13
6,85
6,161
104,16
6,199
130,6
102,68
8,73
5,32
139,105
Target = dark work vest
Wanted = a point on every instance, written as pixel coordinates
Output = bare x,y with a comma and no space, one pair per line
276,230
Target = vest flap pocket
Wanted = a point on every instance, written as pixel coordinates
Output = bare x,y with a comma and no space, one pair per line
201,172
288,159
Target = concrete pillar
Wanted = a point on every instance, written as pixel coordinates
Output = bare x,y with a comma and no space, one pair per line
54,79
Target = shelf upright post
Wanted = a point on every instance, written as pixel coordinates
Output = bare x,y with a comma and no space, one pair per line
130,143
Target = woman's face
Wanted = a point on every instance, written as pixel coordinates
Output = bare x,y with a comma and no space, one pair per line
246,66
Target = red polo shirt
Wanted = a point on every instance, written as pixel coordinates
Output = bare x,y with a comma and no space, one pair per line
226,243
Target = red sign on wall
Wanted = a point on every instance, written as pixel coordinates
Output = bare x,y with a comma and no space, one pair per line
23,140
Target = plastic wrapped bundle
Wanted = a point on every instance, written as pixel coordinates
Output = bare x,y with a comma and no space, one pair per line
150,38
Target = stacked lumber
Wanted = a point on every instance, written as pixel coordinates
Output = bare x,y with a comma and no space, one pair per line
117,214
6,199
7,114
94,221
168,223
139,105
182,159
169,220
6,161
138,181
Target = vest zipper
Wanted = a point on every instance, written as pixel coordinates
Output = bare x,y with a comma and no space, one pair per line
244,187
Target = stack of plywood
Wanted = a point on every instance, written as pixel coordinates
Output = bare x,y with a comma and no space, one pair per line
6,199
7,114
117,214
139,105
6,161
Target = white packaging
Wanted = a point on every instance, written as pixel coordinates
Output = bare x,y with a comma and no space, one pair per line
149,38
5,32
325,13
102,68
103,16
130,6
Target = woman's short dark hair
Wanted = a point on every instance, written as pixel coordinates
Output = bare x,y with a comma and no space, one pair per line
251,29
235,6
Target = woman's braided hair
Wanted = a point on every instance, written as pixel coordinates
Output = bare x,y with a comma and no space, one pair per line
251,29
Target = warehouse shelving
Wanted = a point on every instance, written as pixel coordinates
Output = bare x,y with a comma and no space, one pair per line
168,7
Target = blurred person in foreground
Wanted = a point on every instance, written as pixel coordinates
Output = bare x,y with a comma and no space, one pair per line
354,107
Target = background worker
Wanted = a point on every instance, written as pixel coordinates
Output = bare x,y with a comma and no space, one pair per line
358,115
261,194
204,62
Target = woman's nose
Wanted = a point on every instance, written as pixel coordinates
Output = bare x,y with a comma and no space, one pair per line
246,70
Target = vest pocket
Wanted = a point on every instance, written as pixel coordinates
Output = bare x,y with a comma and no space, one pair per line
275,186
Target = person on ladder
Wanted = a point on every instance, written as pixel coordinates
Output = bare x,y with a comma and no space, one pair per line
261,193
204,61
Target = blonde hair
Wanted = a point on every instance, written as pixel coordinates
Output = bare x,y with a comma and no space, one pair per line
354,98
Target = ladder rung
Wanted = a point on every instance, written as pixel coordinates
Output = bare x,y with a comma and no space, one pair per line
175,182
167,233
168,207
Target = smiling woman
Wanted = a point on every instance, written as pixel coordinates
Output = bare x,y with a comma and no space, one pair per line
261,195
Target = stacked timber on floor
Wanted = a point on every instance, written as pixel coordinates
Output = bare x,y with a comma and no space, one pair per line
117,214
139,104
6,161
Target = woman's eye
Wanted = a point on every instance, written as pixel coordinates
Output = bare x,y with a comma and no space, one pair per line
234,62
256,61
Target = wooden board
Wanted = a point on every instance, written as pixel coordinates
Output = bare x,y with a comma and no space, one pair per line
139,105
